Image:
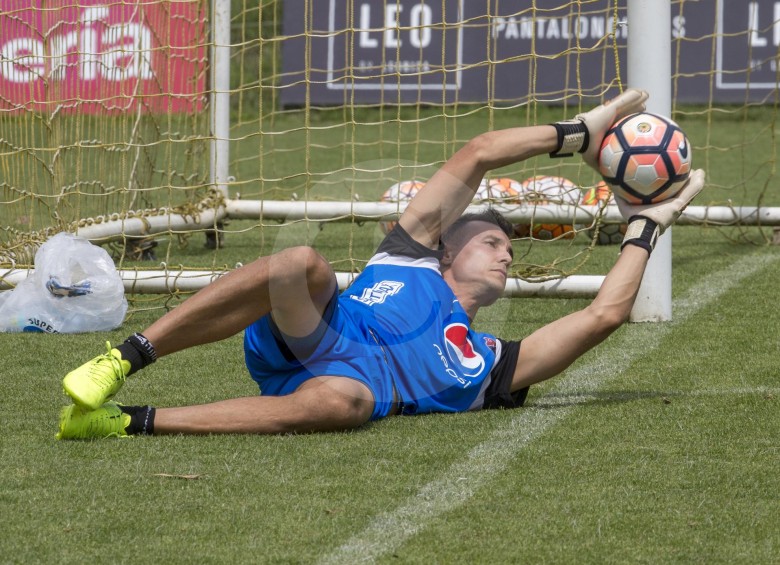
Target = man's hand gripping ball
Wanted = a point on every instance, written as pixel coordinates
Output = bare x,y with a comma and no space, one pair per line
585,132
647,222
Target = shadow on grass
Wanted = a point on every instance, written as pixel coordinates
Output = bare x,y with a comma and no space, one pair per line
564,400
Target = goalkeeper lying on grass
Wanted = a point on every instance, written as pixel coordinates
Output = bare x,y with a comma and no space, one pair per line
398,340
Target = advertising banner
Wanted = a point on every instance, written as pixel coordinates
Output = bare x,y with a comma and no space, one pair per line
90,56
410,51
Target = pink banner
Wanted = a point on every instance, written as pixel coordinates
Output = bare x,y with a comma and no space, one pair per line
102,57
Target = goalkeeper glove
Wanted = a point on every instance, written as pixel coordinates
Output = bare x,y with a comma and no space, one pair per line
647,222
585,132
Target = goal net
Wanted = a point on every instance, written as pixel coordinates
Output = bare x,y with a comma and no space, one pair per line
188,137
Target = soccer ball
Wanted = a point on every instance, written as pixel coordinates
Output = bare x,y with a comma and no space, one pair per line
399,192
502,190
548,190
645,158
608,234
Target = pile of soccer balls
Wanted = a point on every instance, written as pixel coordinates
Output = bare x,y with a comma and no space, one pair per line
541,189
505,191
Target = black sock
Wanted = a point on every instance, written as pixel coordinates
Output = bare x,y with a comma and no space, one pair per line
138,351
141,420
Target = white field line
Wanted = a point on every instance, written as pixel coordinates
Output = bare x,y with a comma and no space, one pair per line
389,530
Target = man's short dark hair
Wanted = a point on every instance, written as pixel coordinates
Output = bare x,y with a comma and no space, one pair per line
490,216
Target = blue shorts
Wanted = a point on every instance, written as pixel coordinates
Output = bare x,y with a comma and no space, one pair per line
340,346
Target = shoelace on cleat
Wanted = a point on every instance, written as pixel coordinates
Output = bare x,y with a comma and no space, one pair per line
104,425
88,424
116,365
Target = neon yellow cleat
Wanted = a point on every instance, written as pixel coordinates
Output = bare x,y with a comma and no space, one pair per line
98,380
106,421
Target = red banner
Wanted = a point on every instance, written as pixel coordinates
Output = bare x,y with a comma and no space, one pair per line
98,57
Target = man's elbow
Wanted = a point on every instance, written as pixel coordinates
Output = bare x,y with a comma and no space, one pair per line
479,150
607,320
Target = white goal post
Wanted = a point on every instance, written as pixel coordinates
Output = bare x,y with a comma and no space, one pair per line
650,68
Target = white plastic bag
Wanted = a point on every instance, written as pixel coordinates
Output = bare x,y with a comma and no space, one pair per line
75,288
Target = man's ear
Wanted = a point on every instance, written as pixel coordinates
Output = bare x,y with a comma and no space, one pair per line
447,258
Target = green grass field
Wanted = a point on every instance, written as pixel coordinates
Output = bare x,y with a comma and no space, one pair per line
660,446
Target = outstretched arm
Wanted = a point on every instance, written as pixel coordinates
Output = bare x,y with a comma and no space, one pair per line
552,348
451,189
449,192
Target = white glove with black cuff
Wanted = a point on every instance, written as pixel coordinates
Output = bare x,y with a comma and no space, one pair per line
646,222
585,132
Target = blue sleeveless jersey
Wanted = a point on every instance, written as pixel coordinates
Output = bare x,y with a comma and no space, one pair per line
400,330
436,361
